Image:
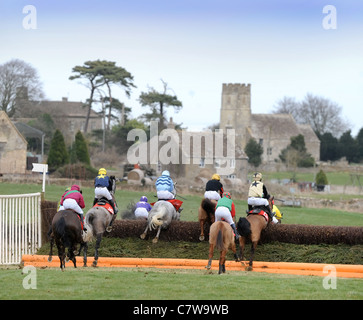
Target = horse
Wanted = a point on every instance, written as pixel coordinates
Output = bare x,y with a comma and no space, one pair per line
206,214
66,231
251,228
98,220
222,237
160,217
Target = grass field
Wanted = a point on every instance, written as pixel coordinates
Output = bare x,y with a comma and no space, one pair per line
145,284
155,284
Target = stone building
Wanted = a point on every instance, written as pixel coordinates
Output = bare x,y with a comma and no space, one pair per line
271,131
13,147
68,116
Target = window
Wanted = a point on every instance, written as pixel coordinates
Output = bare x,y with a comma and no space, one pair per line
202,163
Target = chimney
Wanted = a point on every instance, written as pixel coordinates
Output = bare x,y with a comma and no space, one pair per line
64,99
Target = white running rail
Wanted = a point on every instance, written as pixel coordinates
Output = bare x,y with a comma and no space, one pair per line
20,226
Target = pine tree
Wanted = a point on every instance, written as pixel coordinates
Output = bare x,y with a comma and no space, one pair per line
58,155
81,149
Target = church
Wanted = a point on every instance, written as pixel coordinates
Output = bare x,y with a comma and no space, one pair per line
271,131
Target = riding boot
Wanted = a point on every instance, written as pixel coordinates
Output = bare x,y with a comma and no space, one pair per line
235,231
113,205
95,201
270,213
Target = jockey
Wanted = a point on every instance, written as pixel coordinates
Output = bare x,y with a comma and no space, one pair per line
60,207
165,190
259,196
142,208
102,185
225,210
275,210
73,200
214,188
165,186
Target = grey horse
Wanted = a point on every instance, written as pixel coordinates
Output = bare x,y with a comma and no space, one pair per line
98,220
160,217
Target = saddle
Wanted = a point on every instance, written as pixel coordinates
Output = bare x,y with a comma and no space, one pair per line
175,202
259,210
104,204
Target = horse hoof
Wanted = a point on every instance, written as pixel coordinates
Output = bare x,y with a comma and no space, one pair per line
108,229
142,236
249,268
201,238
50,259
155,240
85,265
94,264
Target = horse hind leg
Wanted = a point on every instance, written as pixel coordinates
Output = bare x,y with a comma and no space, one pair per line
253,249
222,262
210,256
143,235
97,246
155,240
50,258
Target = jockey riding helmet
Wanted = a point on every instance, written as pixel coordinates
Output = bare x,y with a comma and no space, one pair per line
257,176
102,171
166,173
216,176
227,194
143,198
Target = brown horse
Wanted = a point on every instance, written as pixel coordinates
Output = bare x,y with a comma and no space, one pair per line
251,228
206,215
66,231
222,237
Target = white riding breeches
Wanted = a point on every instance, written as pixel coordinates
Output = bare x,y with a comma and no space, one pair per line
102,192
164,195
252,201
72,204
141,213
223,213
212,195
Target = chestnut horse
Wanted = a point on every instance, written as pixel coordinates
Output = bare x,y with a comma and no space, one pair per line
221,236
251,228
206,215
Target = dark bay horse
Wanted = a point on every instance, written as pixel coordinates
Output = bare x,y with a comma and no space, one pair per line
251,228
206,215
221,236
66,231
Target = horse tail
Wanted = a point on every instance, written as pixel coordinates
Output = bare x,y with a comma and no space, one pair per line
157,220
87,236
244,227
219,243
60,229
208,206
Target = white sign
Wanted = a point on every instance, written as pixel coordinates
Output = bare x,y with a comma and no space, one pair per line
39,167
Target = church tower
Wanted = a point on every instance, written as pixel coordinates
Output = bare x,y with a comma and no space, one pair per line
236,111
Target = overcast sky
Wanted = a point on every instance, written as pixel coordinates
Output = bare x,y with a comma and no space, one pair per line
282,47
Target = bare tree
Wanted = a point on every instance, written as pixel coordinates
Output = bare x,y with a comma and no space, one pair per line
322,114
18,80
287,105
